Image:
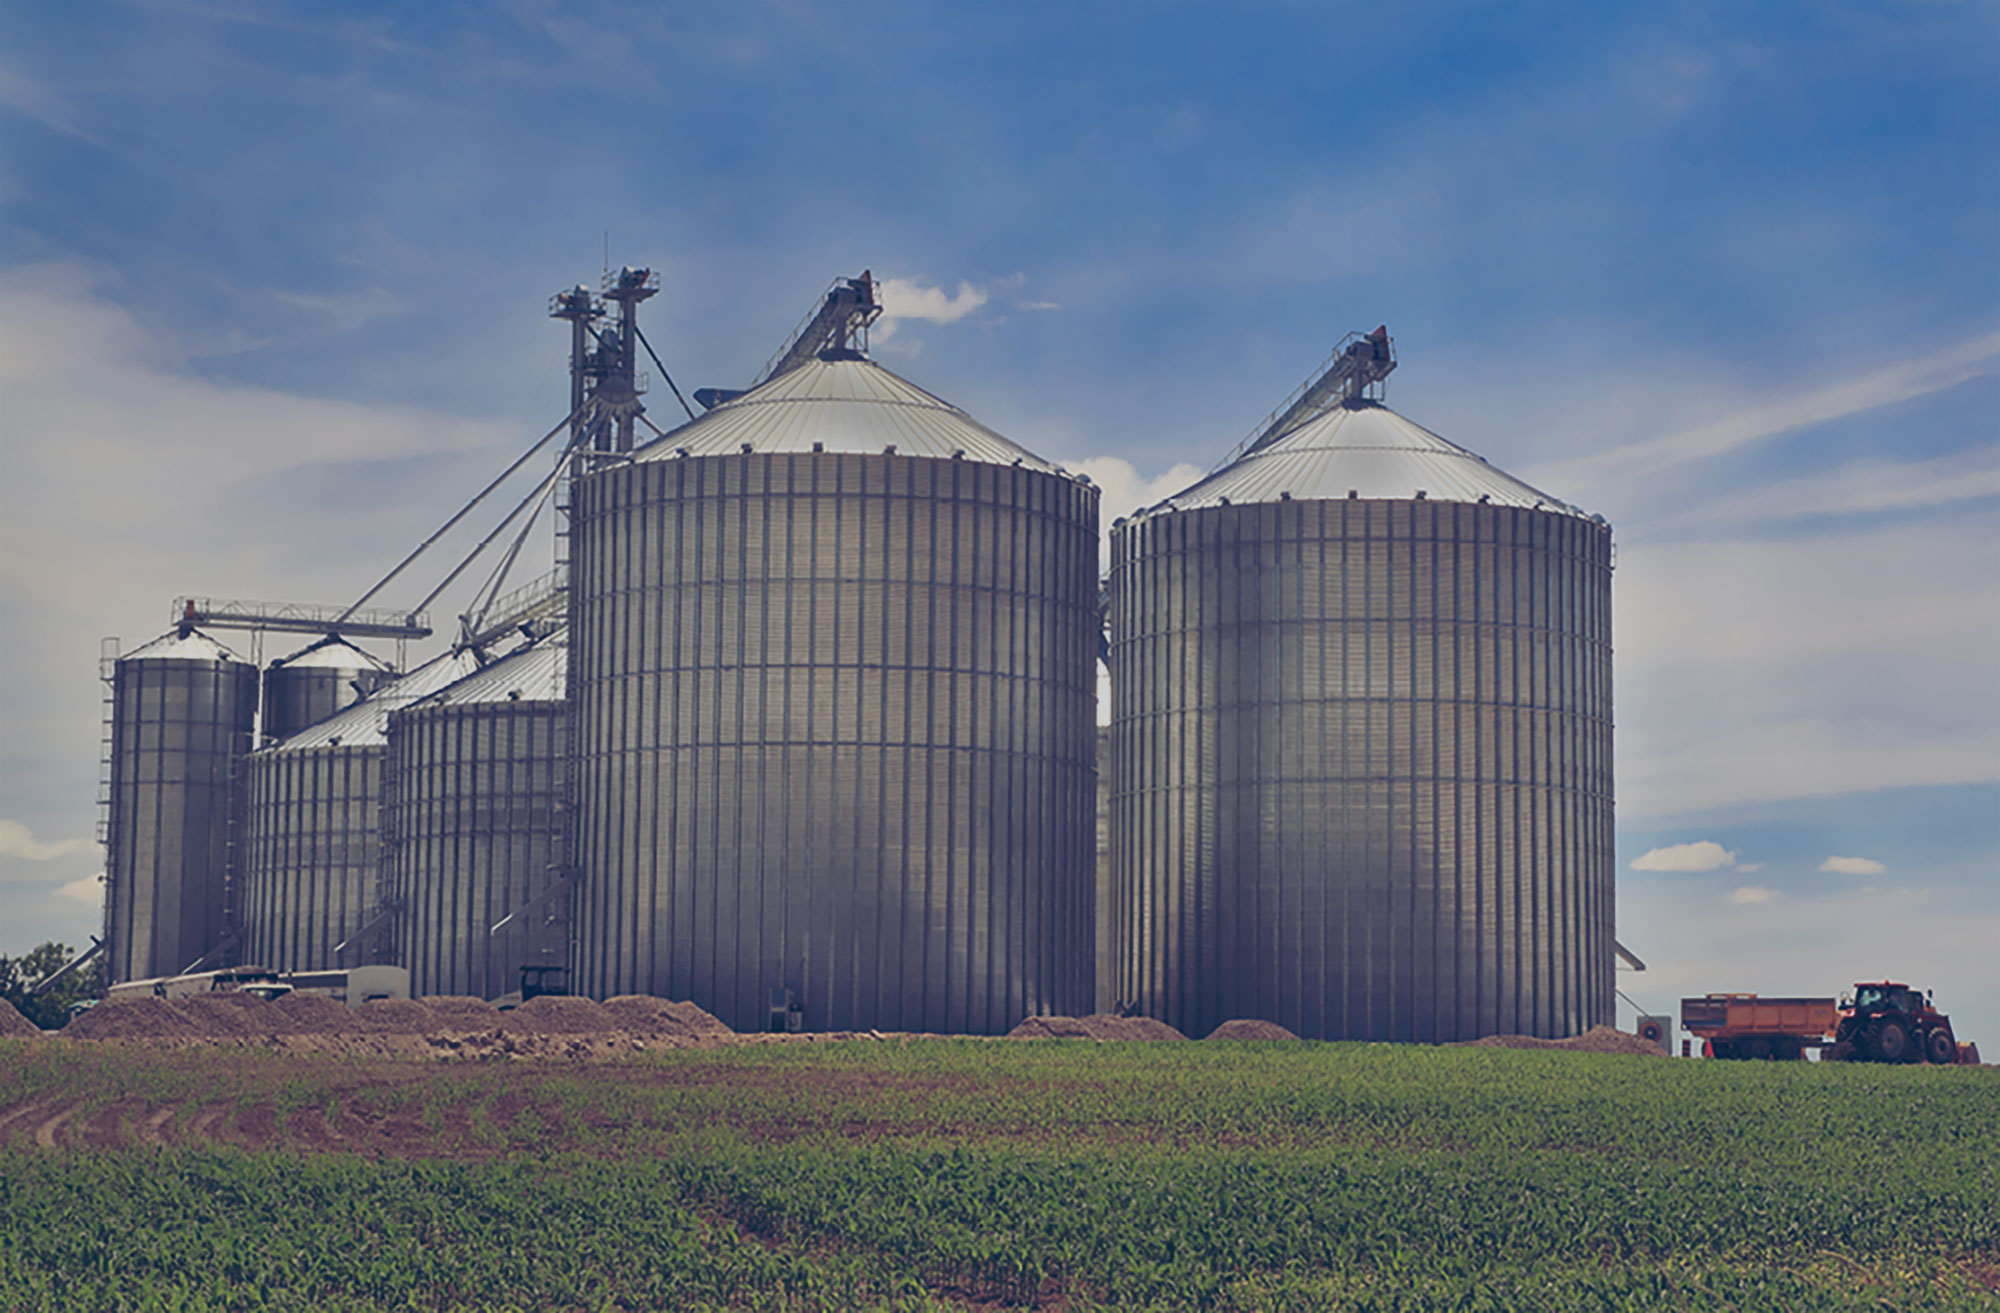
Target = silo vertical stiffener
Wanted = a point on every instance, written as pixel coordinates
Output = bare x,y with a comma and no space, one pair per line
832,653
306,687
313,877
472,823
183,710
1362,737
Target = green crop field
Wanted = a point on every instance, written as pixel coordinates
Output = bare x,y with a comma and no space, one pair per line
980,1175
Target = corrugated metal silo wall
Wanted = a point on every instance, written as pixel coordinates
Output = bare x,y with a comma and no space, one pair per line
1363,775
295,698
177,730
834,734
472,824
312,862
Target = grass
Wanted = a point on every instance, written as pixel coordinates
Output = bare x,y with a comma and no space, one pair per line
949,1174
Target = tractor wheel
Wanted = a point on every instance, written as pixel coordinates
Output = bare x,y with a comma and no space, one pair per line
1940,1047
1838,1051
1891,1041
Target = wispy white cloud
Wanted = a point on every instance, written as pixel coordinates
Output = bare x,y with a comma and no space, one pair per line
17,840
1705,855
910,298
345,312
1122,489
1751,670
1852,866
89,891
42,102
1752,894
1859,487
1886,386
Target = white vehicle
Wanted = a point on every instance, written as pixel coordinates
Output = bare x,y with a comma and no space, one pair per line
354,985
261,981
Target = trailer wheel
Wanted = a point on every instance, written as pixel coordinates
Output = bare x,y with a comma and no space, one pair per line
1891,1041
1940,1047
1838,1051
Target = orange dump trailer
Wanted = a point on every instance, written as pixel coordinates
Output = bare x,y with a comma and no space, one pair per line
1746,1026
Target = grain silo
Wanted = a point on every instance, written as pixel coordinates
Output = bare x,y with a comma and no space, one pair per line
311,863
182,712
303,689
472,822
832,655
1362,737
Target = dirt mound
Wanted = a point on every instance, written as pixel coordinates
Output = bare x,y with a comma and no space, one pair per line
1102,1026
641,1014
395,1016
697,1019
312,1014
15,1026
1250,1028
462,1011
132,1018
229,1014
559,1014
1598,1039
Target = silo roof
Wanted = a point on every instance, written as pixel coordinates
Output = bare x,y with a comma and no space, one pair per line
176,646
1361,449
536,673
366,723
843,403
332,654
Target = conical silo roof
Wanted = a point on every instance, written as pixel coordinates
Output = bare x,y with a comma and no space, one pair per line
366,722
535,673
841,402
1365,450
175,645
333,653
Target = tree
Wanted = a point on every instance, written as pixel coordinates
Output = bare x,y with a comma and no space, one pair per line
50,1011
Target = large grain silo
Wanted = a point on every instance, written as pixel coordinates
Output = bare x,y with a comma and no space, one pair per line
182,712
303,689
472,822
311,861
832,649
1362,737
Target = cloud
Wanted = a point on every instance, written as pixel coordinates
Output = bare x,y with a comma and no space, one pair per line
1752,893
1122,489
907,298
1039,305
1749,867
1862,487
89,890
346,311
16,840
1852,866
1753,669
1707,855
1902,381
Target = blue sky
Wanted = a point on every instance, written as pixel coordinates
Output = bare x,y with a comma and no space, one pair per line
273,283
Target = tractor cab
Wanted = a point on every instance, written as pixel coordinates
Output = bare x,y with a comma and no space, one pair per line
1888,1021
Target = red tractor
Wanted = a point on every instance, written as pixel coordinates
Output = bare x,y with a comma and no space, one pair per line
1889,1022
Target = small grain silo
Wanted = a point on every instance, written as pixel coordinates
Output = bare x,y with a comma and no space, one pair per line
303,689
1362,737
183,708
832,652
312,876
472,823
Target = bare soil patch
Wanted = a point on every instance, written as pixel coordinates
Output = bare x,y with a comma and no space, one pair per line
1598,1039
1250,1028
15,1026
133,1018
1102,1027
